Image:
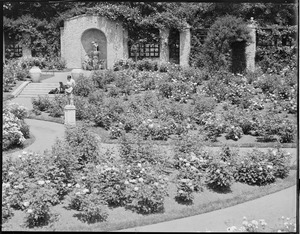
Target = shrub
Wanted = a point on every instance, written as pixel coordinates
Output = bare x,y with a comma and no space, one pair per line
84,110
274,59
123,64
102,78
24,128
84,144
132,150
188,180
38,213
123,81
153,130
20,112
202,104
217,45
268,83
233,132
96,97
93,210
41,103
7,211
145,190
213,127
255,169
84,86
12,134
280,162
219,175
287,131
57,106
147,65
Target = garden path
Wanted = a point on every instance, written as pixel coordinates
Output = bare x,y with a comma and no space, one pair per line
270,207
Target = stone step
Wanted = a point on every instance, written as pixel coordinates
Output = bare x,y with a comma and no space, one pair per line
38,89
36,96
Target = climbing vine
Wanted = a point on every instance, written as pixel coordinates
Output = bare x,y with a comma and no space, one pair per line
276,48
216,50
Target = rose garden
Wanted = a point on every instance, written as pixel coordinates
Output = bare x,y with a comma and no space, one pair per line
154,140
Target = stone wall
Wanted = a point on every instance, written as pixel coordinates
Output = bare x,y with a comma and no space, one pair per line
73,50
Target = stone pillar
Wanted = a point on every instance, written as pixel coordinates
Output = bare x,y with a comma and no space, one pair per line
26,51
3,47
164,45
185,46
125,44
70,115
251,47
62,46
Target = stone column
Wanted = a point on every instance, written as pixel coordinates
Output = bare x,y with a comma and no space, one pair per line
3,47
26,51
164,45
251,47
70,115
62,46
185,46
125,44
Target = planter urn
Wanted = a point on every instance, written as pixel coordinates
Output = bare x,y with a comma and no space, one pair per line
75,73
35,74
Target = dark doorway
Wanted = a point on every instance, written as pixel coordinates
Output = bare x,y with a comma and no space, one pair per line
174,46
238,57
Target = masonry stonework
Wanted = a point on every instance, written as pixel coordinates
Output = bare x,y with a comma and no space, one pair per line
72,48
251,49
79,32
185,46
164,47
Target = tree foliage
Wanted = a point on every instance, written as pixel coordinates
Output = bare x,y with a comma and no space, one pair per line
42,20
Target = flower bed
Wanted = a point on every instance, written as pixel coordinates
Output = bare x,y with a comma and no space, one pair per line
159,104
75,171
15,130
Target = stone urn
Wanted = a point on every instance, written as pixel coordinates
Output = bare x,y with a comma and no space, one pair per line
35,74
75,73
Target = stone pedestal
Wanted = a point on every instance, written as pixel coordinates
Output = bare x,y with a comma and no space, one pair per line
75,73
70,115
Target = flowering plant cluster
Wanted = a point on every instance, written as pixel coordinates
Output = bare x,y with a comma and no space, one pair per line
188,180
153,130
219,175
259,168
233,132
15,130
214,125
286,224
145,191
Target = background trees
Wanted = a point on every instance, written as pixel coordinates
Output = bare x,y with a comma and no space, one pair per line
42,20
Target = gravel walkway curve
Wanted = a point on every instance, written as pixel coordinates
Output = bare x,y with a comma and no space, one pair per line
45,134
270,208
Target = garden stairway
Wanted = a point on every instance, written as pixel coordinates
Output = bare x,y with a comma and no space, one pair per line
33,90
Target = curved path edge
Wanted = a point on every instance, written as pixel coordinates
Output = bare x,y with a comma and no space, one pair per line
270,208
45,134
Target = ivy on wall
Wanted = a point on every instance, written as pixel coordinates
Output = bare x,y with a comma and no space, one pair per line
215,53
276,48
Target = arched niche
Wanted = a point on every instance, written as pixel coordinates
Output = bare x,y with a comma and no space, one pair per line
96,35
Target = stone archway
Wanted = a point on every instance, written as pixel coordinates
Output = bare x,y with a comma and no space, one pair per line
95,35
